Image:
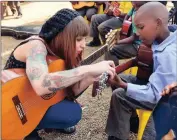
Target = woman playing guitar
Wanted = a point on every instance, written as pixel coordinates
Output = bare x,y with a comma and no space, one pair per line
63,37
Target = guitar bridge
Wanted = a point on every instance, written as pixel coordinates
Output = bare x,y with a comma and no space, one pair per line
19,109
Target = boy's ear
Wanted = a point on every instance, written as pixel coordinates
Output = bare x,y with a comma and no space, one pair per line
159,21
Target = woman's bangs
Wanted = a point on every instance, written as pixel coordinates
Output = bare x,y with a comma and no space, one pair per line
80,26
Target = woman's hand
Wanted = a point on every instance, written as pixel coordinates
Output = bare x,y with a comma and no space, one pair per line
104,66
167,89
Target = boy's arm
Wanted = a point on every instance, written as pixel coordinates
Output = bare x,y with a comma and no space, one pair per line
164,74
127,40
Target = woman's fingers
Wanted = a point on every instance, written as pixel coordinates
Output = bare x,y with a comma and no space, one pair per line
111,63
111,74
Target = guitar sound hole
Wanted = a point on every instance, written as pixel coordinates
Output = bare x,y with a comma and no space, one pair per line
48,96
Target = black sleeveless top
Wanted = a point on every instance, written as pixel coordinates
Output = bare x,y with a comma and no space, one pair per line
12,62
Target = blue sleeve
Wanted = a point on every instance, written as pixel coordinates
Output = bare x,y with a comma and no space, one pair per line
165,73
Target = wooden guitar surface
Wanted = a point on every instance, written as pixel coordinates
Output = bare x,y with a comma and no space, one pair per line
22,108
82,4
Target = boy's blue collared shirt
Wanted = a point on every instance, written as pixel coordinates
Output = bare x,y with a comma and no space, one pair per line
164,71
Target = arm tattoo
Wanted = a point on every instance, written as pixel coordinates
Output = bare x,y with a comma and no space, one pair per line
46,82
34,73
36,63
59,80
54,90
37,71
38,54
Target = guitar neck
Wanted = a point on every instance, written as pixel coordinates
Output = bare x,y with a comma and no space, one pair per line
125,66
95,55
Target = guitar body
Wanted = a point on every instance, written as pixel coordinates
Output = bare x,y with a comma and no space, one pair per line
82,4
126,29
144,62
22,108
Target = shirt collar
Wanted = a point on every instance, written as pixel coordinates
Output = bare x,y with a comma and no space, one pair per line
170,39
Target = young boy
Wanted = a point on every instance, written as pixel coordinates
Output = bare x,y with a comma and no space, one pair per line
151,21
126,48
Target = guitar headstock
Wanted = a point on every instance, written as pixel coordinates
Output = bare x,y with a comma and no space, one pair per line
112,37
100,85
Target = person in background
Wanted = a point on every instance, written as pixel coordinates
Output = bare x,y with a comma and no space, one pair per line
15,7
102,23
86,11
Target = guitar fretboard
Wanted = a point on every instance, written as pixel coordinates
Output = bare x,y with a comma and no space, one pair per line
95,55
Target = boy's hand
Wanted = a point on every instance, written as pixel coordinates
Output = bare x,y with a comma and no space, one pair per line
127,40
167,89
117,81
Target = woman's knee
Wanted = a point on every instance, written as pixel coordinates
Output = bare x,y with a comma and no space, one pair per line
77,114
74,116
62,115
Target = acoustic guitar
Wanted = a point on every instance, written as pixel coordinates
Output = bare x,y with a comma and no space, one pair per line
79,4
22,109
126,29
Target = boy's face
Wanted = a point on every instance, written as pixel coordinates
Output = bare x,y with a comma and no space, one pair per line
147,28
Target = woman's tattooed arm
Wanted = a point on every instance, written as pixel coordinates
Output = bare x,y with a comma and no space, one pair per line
44,82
